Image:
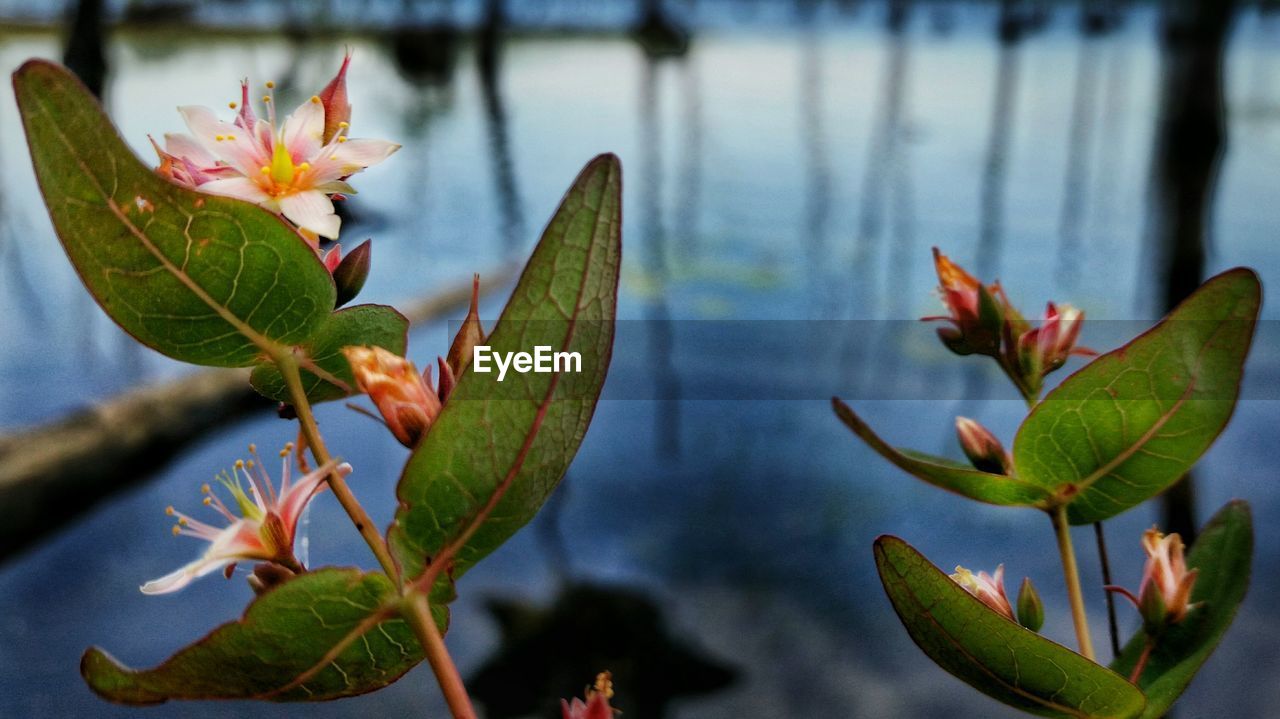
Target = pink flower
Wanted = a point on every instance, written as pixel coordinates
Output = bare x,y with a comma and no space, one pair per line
263,531
597,704
1048,346
291,167
988,588
1164,596
407,401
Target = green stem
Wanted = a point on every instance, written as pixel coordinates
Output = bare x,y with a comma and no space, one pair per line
364,524
418,613
1063,532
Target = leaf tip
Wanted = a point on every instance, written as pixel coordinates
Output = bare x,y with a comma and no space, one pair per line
111,680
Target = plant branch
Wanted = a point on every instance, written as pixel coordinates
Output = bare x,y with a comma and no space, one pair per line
1078,615
418,613
1112,626
364,524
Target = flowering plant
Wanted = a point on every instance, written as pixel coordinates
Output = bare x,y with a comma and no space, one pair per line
1120,430
215,258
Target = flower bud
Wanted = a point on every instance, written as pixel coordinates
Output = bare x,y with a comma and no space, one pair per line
1047,347
988,588
1030,608
975,311
469,335
405,399
350,274
981,447
337,108
1155,615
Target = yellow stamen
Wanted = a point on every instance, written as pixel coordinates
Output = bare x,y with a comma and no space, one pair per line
249,464
208,501
205,488
231,137
270,84
266,98
315,99
344,124
342,138
219,138
169,510
304,166
239,464
333,157
284,453
177,530
182,521
253,447
232,105
266,170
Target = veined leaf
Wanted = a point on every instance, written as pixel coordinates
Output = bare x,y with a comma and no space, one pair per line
204,279
498,449
951,476
1224,555
322,635
368,325
991,653
1132,422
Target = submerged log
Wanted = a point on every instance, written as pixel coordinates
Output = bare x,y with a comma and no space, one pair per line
51,474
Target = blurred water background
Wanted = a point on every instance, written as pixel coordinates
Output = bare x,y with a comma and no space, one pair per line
784,161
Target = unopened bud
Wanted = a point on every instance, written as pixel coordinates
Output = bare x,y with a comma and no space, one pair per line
268,575
337,108
1030,608
351,273
981,447
469,335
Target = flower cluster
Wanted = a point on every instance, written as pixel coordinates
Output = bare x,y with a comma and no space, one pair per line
262,531
984,322
291,166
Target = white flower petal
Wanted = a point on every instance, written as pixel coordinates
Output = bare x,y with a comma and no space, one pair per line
237,148
311,210
363,153
303,131
188,147
241,188
183,576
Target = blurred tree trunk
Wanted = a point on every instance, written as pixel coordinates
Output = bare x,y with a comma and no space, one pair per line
1190,139
85,53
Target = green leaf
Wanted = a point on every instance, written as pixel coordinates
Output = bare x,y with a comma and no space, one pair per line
368,325
322,635
204,279
951,476
1133,421
1224,555
991,653
498,449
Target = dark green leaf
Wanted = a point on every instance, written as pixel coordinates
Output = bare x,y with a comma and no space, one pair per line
944,473
498,449
1134,420
994,654
368,325
323,635
204,279
1223,553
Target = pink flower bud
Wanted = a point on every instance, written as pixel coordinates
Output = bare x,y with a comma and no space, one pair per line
405,399
981,447
988,588
976,311
337,108
1047,347
1166,574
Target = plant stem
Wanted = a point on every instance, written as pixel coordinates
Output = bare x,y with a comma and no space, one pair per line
1112,626
364,524
1072,573
418,613
1141,664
